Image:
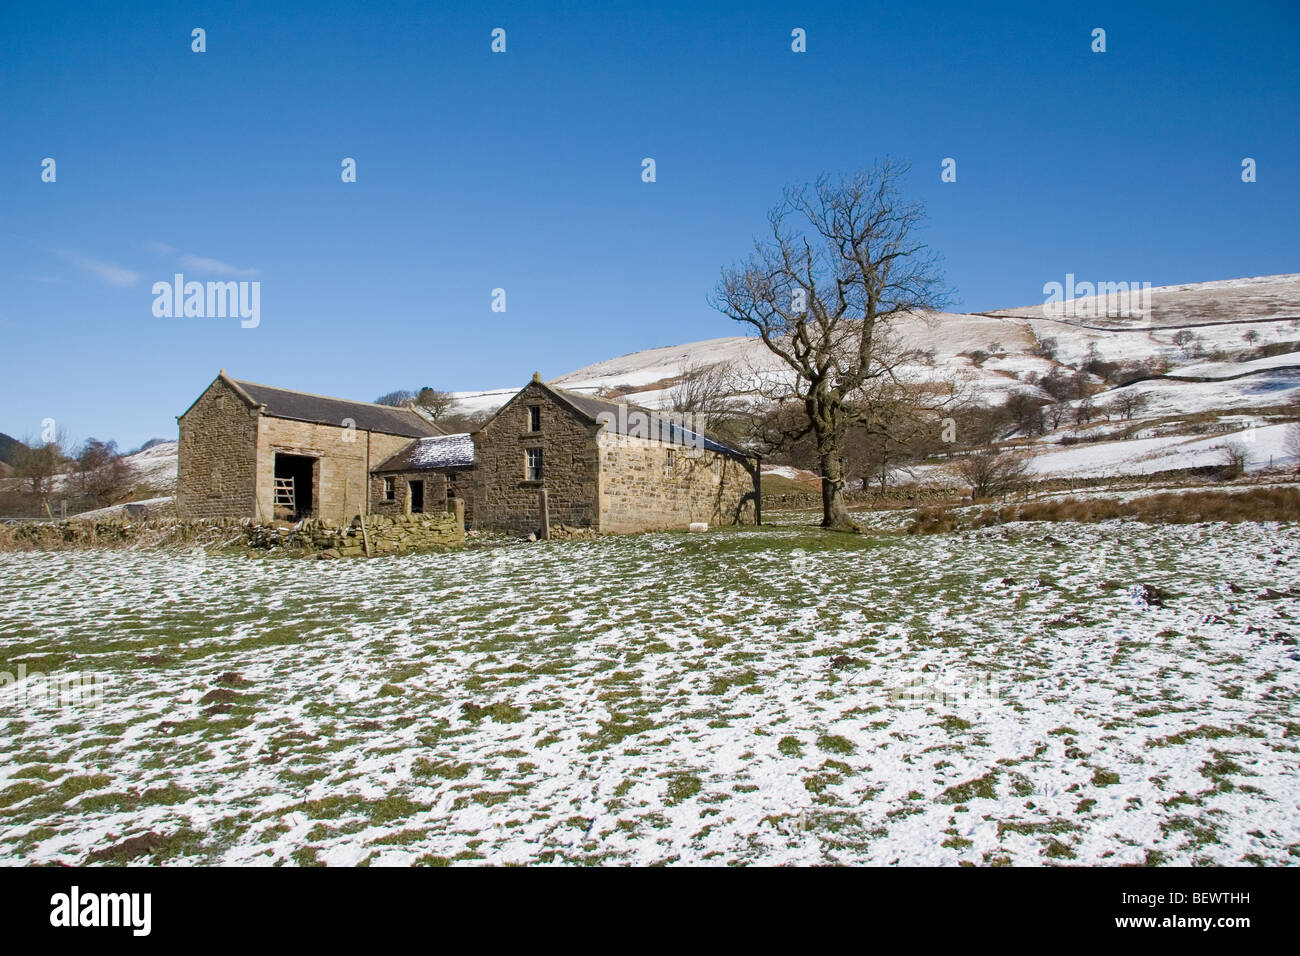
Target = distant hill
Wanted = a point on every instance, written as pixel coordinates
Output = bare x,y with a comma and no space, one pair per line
151,443
1242,337
9,448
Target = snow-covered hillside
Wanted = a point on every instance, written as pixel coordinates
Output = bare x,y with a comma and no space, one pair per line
1218,315
153,468
156,466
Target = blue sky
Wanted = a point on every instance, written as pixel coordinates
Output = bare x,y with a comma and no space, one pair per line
522,171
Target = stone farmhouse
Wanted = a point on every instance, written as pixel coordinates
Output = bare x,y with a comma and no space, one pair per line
605,465
266,453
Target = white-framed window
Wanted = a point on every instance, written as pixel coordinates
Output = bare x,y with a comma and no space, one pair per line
670,460
533,464
390,488
534,418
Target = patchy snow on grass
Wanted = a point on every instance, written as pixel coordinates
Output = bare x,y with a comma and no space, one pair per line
1029,694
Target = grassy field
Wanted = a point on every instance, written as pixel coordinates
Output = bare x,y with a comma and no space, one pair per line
1027,693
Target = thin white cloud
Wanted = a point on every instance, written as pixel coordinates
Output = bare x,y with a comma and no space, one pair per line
113,275
214,266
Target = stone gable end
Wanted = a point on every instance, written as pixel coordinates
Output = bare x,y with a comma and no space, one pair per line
505,500
216,456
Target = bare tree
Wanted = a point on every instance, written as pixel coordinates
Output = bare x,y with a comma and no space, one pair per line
432,403
824,293
1234,457
464,421
991,472
101,472
702,390
435,403
399,397
1129,402
1084,410
1026,411
37,464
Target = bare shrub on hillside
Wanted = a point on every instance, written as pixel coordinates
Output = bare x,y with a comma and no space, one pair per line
1027,412
1045,347
1234,458
991,472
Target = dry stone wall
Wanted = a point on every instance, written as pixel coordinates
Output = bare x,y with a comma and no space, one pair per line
408,533
399,534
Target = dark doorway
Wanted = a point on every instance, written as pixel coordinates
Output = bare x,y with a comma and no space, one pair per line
293,486
417,497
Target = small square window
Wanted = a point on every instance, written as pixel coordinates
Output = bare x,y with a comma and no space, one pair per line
533,467
671,460
534,418
390,489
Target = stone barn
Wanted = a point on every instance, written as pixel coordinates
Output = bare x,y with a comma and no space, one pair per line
266,453
605,465
260,452
426,475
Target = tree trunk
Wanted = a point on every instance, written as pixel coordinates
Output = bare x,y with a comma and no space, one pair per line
835,515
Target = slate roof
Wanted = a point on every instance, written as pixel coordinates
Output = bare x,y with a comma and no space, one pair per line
304,407
661,425
424,454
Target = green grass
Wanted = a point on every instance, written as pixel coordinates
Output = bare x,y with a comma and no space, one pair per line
418,710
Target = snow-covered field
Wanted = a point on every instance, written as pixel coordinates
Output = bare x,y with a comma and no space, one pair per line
1021,694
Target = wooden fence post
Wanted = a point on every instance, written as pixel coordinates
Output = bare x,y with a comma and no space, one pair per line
365,537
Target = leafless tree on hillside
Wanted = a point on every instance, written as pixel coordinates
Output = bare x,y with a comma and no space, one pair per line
991,472
703,390
1235,458
37,464
1129,402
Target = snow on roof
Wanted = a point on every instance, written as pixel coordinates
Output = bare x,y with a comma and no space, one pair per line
440,451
